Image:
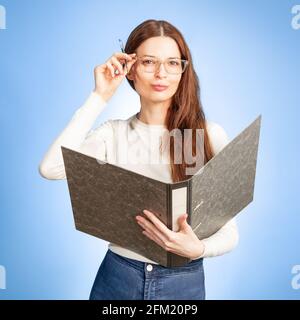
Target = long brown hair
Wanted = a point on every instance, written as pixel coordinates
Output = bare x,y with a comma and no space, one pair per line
185,111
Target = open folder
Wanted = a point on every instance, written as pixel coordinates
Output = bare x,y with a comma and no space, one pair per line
106,198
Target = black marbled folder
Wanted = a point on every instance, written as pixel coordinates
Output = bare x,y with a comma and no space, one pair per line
106,198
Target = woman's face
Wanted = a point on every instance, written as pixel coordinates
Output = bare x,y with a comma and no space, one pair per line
162,48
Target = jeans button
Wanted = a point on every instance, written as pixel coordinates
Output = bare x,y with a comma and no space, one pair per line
149,267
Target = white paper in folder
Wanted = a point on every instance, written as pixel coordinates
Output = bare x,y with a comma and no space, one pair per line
179,205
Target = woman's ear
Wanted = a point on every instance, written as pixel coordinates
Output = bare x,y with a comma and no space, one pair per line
131,74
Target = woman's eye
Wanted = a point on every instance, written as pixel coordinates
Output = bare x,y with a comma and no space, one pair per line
174,63
148,61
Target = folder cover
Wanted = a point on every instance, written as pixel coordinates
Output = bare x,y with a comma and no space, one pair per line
106,198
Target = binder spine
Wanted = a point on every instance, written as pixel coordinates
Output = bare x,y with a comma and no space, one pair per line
169,206
169,219
189,201
184,188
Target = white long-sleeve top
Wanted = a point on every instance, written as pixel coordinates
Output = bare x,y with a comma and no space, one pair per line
131,144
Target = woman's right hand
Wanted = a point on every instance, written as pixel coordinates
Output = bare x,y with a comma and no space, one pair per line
106,80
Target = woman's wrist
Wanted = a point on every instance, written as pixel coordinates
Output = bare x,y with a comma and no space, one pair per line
98,98
201,253
98,93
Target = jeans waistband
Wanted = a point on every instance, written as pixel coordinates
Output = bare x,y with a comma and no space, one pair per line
140,265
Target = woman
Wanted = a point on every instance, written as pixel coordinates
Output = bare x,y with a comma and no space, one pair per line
157,56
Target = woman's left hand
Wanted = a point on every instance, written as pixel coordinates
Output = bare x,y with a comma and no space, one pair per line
184,242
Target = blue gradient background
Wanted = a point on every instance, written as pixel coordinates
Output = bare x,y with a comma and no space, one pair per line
246,55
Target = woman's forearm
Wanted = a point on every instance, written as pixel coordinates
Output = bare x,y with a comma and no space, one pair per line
52,165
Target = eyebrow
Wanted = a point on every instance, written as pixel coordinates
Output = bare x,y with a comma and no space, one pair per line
148,55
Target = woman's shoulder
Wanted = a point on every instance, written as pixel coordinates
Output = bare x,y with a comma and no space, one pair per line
217,135
123,124
119,123
113,125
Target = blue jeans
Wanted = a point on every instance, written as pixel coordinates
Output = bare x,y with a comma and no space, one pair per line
121,278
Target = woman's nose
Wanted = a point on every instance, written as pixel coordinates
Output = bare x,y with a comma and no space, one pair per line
161,71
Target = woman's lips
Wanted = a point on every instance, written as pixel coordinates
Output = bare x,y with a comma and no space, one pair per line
159,88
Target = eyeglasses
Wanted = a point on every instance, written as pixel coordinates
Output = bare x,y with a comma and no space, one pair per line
171,65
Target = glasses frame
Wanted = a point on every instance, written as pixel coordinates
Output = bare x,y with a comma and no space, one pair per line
186,62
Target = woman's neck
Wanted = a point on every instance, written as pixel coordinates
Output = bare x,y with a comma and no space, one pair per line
153,113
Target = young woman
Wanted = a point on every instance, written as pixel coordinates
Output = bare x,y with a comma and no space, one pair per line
158,66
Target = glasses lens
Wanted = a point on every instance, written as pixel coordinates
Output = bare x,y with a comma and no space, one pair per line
149,64
172,66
